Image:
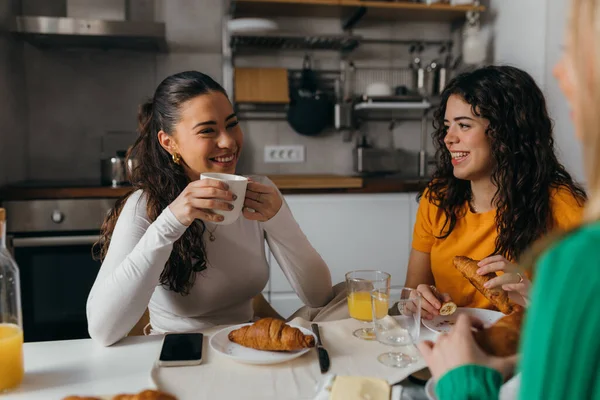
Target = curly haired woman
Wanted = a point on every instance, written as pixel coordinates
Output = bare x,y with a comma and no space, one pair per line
154,244
498,187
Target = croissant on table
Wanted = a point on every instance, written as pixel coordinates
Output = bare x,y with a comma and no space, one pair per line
502,338
271,334
497,296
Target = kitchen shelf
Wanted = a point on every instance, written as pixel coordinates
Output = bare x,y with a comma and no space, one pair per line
344,43
422,105
381,10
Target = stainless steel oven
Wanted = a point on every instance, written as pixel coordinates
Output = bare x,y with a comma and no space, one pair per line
51,241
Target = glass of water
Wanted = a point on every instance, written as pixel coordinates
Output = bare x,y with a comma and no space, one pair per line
400,325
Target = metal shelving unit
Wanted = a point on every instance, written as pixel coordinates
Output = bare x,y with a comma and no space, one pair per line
241,43
342,43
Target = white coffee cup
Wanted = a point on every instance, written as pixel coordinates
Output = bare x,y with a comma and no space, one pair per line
237,185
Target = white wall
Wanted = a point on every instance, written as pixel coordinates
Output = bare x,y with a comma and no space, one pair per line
529,35
520,33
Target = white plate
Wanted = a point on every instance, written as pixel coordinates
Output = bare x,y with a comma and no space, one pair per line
430,389
441,323
220,343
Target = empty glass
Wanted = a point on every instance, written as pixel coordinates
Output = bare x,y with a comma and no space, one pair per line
360,284
400,325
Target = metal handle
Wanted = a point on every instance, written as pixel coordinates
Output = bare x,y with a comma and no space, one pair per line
50,241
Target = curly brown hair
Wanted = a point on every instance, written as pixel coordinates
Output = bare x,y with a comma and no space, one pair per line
161,180
526,169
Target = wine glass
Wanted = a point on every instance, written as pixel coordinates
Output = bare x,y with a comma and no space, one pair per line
360,284
400,325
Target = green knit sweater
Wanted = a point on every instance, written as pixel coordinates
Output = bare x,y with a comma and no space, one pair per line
561,340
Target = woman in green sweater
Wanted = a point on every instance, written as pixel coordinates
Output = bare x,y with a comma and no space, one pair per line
560,347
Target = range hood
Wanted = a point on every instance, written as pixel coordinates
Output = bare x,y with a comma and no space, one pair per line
63,32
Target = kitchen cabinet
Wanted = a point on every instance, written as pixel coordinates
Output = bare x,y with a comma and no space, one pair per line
350,231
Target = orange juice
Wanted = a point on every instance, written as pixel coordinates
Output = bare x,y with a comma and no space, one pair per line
11,356
359,306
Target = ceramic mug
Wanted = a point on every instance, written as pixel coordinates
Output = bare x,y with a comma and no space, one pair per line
237,185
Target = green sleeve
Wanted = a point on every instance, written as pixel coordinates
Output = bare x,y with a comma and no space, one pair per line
561,339
469,382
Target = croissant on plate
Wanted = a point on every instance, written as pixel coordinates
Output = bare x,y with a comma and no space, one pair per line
502,338
271,334
497,296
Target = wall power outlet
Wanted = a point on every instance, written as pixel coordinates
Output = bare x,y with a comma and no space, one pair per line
285,154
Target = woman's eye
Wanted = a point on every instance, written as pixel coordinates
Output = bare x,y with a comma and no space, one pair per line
463,126
207,131
233,124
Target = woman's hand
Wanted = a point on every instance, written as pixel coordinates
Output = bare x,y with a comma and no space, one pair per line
199,198
458,348
513,280
262,201
431,300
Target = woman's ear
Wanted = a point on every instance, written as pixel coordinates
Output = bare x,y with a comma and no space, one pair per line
167,142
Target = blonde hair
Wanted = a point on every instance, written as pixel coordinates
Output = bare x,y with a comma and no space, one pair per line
585,40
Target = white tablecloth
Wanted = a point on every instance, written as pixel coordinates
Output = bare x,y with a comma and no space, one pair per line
54,370
219,377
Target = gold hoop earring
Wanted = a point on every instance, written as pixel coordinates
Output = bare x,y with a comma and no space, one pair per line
176,158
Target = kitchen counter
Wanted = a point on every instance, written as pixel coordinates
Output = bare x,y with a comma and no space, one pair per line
288,184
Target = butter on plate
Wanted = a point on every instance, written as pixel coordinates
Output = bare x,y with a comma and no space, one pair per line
359,388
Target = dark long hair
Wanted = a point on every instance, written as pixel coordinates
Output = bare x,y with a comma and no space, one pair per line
161,180
526,170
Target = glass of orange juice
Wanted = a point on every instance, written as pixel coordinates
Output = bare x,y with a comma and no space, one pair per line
359,285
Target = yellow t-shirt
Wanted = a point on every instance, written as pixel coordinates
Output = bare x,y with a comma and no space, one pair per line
473,236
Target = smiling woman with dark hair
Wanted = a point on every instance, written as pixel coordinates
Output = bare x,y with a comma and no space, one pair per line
498,187
161,245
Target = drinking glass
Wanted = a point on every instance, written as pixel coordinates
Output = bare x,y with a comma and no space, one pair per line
398,326
360,284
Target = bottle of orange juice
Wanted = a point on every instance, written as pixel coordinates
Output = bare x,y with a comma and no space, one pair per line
11,320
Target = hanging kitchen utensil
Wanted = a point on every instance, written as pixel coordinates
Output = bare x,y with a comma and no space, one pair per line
436,71
310,110
444,70
431,78
342,109
417,67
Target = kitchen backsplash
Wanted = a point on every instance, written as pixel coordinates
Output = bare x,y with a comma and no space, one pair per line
75,98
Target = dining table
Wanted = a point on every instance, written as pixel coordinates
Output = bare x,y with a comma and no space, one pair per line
57,369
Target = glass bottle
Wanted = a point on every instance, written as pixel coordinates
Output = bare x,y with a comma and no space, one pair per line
11,319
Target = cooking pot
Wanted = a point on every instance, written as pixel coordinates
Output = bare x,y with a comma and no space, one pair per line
311,110
115,170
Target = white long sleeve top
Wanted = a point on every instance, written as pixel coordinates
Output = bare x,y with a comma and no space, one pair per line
237,270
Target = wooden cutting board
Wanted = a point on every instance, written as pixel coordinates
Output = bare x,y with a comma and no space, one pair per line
316,181
262,85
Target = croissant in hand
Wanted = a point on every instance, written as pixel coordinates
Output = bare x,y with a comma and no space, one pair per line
273,335
497,296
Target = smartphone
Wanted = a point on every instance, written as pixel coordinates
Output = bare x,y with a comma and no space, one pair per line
179,349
